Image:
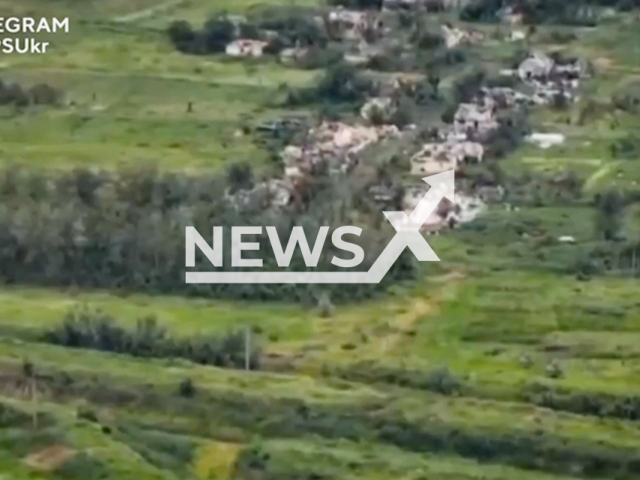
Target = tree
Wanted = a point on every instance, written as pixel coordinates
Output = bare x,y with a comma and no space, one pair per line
434,81
240,177
181,35
609,209
29,376
342,83
218,33
43,94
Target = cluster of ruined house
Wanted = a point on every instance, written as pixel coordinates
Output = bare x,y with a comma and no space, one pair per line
338,146
335,145
549,79
345,24
350,25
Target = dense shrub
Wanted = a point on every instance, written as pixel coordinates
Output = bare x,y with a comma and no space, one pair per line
43,94
11,417
382,422
318,57
13,94
343,83
609,209
596,404
86,413
214,37
83,466
536,11
626,148
162,449
187,388
357,4
428,40
87,329
509,135
439,380
340,83
40,94
467,87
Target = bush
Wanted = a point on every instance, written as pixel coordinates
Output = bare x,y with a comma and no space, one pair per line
187,388
325,307
11,417
13,94
403,115
443,381
87,413
164,450
43,94
318,57
357,4
343,83
217,33
83,467
468,86
181,34
87,329
627,148
429,40
293,25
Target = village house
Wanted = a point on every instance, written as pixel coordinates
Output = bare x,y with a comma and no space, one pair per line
475,119
246,48
517,35
354,24
537,66
505,97
433,158
465,209
455,36
336,143
436,158
274,193
511,16
437,220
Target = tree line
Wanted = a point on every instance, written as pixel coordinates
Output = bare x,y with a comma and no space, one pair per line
126,230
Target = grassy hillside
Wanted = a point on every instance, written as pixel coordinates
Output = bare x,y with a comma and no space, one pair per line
503,362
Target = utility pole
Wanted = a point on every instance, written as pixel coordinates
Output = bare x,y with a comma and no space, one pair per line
34,396
247,348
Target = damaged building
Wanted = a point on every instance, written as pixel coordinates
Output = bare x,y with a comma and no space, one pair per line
354,24
434,158
246,48
472,119
465,208
335,143
454,37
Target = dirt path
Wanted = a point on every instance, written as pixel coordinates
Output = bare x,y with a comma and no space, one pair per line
150,12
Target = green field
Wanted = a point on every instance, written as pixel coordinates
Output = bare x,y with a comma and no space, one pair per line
445,379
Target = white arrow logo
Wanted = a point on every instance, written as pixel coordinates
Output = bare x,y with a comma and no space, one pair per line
407,235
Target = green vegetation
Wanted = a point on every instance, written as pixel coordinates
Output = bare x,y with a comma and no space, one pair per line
516,357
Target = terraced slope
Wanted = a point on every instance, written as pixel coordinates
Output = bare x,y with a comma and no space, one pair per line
499,364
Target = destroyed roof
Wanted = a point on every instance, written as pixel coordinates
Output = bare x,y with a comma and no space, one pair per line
537,65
